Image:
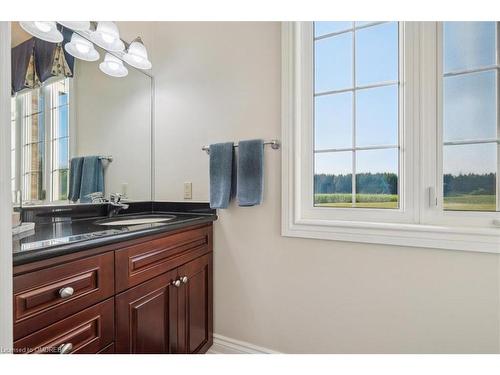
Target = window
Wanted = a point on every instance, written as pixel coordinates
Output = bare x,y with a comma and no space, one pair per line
391,133
470,121
41,118
33,130
60,140
356,114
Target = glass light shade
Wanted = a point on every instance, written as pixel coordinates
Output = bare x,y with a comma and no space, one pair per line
44,30
113,66
76,25
137,56
81,48
107,36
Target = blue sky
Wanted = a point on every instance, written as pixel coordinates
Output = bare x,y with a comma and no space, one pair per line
469,100
62,143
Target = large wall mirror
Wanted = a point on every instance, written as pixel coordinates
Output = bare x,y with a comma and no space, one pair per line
83,114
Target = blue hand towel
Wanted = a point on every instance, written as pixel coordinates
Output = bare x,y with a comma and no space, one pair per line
92,177
75,178
250,172
221,174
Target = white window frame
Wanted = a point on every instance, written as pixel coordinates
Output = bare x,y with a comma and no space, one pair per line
415,223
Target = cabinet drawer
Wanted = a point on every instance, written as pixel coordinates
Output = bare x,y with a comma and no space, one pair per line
88,332
38,297
144,261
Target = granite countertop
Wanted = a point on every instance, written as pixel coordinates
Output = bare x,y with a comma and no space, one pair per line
69,235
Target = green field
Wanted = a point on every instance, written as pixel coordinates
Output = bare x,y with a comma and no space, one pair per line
470,203
455,203
362,200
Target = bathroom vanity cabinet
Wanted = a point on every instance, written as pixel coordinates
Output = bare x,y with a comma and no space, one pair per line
148,295
170,313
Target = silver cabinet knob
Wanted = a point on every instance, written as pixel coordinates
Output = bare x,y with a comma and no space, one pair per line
176,283
184,279
65,348
66,292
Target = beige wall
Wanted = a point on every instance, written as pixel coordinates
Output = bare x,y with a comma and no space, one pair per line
221,81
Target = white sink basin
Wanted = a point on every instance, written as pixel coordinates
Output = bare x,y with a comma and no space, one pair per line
137,220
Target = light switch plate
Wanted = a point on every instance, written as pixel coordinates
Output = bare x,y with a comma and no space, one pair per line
188,190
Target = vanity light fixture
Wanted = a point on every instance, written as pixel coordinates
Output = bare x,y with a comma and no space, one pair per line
76,25
81,48
44,30
113,66
107,36
137,55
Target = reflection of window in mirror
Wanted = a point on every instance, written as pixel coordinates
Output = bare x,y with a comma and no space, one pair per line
40,142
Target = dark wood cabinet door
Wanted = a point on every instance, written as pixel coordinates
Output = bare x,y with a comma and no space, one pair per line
195,306
146,316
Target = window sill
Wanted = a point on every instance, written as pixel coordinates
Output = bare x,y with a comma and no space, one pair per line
485,240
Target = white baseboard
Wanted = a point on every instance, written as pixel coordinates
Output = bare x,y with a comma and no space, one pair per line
227,345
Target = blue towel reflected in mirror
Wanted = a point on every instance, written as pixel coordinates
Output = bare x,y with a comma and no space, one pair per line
75,178
86,177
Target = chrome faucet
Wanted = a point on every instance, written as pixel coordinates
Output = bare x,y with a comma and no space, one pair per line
96,197
115,204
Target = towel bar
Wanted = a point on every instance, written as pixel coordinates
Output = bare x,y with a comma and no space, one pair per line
275,145
107,158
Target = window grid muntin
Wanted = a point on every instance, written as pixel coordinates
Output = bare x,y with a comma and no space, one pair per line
31,172
357,88
354,89
351,29
56,89
473,141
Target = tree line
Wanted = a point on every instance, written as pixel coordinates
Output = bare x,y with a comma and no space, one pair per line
475,184
387,183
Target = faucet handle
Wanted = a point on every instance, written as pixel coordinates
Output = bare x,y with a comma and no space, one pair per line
96,197
115,197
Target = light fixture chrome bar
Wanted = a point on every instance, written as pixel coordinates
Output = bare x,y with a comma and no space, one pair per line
275,145
93,27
